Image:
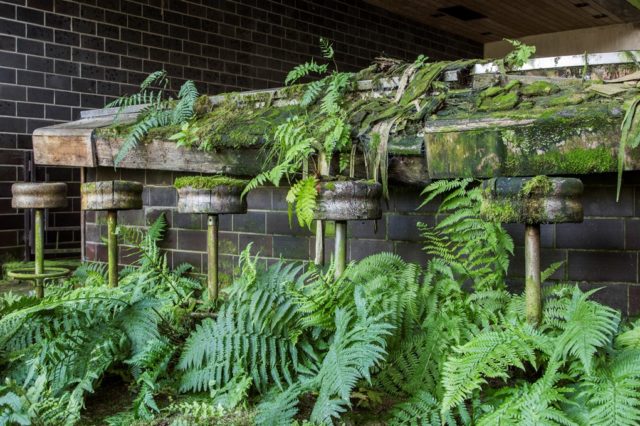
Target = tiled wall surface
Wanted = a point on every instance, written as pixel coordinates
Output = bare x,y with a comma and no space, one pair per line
58,57
601,252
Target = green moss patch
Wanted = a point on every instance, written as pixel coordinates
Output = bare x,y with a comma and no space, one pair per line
207,182
576,161
540,88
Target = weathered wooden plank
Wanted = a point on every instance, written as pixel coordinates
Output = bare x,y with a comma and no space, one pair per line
71,144
166,155
71,147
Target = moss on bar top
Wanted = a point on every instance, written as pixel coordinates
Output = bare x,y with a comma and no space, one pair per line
207,182
538,126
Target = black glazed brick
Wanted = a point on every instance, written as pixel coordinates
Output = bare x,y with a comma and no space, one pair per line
35,63
601,201
162,196
7,75
53,81
591,234
12,28
13,60
7,108
67,68
30,110
40,95
57,51
192,240
359,249
30,15
8,43
278,224
632,234
253,222
260,244
371,229
15,93
67,98
30,78
405,228
7,11
30,47
39,33
67,37
602,266
290,247
411,252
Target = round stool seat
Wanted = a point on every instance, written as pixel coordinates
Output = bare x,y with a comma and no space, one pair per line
39,195
348,200
111,195
221,199
532,201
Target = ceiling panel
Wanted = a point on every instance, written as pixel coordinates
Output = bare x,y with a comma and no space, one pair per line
492,20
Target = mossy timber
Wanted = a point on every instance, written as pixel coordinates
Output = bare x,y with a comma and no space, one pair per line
534,124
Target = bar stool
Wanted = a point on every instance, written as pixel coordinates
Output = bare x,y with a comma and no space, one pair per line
111,196
532,201
342,201
38,196
220,199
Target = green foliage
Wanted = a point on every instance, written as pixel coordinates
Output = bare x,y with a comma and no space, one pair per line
187,136
295,142
255,332
445,343
54,351
159,110
519,56
302,196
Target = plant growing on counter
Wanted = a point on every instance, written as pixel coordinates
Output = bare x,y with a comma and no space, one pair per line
306,138
161,108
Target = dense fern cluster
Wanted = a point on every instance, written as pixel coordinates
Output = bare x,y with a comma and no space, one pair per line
54,351
417,336
442,343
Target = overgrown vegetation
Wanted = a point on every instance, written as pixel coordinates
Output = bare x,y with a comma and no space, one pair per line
161,109
53,352
310,137
443,343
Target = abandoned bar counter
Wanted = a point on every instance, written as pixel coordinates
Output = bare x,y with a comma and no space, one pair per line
556,116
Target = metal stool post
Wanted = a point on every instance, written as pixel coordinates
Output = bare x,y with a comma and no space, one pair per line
111,196
220,199
532,201
38,196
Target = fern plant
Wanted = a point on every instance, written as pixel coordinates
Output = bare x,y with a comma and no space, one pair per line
53,352
309,136
160,109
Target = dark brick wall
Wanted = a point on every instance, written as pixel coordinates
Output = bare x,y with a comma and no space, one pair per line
58,57
601,252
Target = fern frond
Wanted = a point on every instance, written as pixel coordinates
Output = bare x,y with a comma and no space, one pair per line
304,70
489,355
279,408
303,195
588,326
